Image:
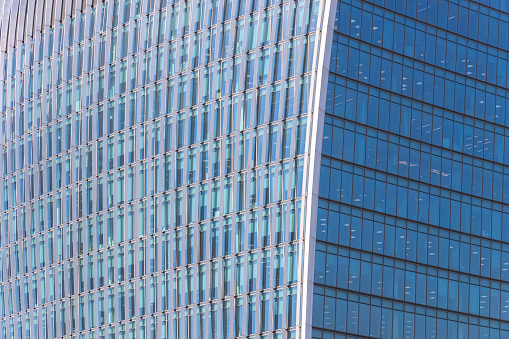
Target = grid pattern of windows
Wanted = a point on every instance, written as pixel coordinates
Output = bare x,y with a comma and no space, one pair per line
412,225
152,159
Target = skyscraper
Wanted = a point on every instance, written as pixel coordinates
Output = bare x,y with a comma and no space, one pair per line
254,168
413,224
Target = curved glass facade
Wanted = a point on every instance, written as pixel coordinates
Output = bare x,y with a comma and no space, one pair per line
152,167
413,223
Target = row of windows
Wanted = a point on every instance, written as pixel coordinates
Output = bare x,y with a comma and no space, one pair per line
226,196
192,284
410,283
149,101
144,73
161,135
419,82
406,36
44,325
370,316
472,61
487,67
422,123
191,244
236,317
425,165
477,22
208,40
501,5
384,193
203,162
265,228
147,105
412,245
87,26
398,224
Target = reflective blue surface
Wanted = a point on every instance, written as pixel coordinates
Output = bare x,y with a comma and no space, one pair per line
413,227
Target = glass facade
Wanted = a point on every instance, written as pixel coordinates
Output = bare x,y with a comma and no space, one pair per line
412,227
152,159
254,168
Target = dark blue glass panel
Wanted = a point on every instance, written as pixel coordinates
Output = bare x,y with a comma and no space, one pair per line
416,164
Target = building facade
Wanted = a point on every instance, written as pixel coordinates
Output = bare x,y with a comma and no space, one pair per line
414,171
153,158
254,168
